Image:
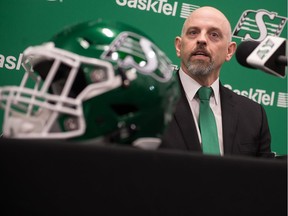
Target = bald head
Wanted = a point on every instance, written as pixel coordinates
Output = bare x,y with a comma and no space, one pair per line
208,14
205,44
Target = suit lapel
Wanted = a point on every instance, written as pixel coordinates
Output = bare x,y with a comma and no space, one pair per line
229,119
185,121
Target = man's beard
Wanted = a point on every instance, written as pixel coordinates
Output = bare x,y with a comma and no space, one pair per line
200,67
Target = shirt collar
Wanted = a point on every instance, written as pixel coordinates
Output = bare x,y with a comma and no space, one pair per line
191,86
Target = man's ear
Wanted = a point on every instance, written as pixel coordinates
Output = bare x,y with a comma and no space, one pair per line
231,50
177,44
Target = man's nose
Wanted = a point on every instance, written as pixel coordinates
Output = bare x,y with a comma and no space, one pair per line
202,40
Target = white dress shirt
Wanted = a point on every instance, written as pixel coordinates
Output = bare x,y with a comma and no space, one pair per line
191,87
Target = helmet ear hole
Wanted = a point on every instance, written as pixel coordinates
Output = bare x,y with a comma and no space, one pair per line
124,109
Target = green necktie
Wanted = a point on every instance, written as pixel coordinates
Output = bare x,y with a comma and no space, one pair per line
207,123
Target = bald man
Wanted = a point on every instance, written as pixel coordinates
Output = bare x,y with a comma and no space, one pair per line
242,126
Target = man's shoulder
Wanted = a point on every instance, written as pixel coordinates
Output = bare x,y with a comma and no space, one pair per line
236,98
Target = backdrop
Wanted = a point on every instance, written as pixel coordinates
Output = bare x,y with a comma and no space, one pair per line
30,22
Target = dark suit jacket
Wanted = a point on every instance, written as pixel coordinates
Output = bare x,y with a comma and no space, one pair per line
244,122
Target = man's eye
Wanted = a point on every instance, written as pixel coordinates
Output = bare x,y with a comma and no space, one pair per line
214,34
192,32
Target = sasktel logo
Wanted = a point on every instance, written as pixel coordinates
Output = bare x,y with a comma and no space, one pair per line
263,97
11,62
258,24
158,6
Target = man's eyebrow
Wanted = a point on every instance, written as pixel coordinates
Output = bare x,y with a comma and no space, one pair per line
192,28
215,29
209,29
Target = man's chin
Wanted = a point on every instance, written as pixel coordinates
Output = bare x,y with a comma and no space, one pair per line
200,69
199,65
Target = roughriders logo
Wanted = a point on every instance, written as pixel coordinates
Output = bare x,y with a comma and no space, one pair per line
257,25
153,61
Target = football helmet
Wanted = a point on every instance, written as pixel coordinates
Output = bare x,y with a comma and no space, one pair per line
92,81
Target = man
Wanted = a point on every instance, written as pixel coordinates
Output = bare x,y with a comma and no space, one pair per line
242,127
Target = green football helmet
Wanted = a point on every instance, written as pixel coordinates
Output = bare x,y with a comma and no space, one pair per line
99,81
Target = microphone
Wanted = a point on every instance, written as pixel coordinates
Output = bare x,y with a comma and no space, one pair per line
268,55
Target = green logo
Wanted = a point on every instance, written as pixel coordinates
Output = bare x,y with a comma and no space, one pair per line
257,25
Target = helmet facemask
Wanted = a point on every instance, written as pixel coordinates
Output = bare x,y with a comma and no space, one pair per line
59,88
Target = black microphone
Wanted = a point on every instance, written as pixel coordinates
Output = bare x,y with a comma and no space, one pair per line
268,55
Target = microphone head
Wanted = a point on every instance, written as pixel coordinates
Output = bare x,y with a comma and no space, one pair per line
243,50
